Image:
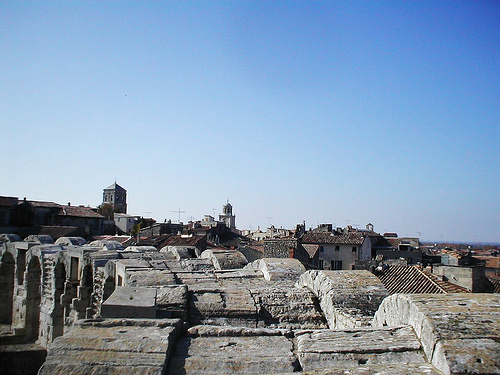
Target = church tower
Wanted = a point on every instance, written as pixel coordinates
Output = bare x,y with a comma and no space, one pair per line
116,196
227,216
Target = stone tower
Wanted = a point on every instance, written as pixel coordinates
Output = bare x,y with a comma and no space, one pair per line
116,196
227,216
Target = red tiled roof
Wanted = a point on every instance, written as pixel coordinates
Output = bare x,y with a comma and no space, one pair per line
351,238
79,211
311,249
44,204
491,261
66,210
410,279
176,240
124,240
495,281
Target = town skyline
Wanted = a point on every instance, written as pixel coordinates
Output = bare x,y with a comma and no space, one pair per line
344,112
181,216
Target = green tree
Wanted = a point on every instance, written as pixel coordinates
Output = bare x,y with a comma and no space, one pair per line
106,210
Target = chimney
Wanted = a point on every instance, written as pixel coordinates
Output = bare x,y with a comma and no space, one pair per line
69,203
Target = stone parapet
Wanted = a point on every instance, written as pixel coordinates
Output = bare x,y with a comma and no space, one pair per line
460,333
348,299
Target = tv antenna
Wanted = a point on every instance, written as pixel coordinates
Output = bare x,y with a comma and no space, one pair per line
269,218
179,212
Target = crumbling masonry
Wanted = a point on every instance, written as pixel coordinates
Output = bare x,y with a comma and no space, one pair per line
173,311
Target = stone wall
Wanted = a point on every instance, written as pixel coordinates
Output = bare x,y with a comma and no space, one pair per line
279,248
347,298
460,333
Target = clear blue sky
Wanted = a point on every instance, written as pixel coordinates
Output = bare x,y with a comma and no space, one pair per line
339,111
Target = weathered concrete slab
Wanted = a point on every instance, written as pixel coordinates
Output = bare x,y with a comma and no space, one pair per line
130,302
124,346
348,349
349,299
225,354
460,333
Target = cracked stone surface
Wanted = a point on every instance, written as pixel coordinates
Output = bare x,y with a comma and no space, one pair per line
459,332
117,346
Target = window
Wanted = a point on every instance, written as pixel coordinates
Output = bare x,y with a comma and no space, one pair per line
321,249
354,249
321,264
337,248
336,264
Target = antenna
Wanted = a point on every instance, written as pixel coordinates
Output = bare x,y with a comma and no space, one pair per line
179,212
269,218
148,213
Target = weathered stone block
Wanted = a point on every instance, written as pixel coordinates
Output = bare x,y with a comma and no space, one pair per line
171,302
125,346
288,308
235,306
130,302
151,278
459,332
349,349
233,355
349,299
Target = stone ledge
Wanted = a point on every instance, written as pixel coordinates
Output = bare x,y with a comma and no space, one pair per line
451,327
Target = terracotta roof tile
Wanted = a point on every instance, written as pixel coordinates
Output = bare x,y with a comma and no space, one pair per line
410,279
311,249
351,238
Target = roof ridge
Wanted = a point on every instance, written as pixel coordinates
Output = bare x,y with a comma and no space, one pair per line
431,280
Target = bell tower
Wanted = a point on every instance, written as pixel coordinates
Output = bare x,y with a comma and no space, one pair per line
116,196
227,216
